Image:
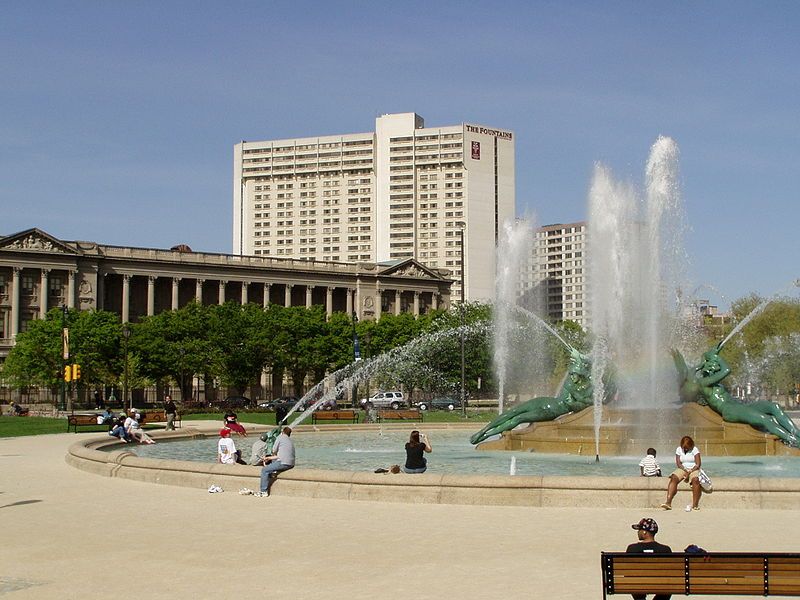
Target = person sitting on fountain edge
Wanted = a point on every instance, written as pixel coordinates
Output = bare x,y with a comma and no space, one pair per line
648,466
416,445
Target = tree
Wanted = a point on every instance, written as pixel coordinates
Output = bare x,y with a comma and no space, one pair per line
36,357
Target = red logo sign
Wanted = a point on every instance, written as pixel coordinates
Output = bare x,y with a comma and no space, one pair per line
476,150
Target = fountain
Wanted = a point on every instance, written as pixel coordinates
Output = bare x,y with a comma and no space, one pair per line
636,266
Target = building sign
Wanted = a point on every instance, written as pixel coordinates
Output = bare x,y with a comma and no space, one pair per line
498,133
476,150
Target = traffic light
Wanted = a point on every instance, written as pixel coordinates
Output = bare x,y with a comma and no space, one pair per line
76,372
68,373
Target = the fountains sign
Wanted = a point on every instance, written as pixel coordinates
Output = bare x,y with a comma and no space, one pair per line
498,133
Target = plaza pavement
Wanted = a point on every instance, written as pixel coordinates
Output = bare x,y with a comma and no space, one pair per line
71,534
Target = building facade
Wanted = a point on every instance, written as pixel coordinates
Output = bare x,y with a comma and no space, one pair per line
557,278
400,192
39,272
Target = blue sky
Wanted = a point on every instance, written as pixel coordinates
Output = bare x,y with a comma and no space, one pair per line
118,119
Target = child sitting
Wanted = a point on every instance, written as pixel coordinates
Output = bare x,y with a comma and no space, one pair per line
648,466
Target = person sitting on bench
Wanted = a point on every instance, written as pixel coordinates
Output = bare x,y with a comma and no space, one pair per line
19,411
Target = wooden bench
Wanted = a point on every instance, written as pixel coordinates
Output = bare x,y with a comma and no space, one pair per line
334,415
413,414
75,421
713,573
157,416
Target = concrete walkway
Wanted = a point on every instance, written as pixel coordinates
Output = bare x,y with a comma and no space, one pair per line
71,534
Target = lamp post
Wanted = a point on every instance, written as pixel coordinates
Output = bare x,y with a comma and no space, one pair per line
126,333
64,355
462,309
356,358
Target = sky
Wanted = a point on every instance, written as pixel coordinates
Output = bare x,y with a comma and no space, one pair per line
118,119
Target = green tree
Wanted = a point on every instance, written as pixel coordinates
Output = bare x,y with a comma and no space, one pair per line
36,357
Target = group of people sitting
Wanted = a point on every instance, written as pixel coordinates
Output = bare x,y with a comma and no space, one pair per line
128,428
281,458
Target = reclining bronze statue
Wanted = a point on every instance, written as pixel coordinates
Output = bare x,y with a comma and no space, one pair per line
704,386
575,395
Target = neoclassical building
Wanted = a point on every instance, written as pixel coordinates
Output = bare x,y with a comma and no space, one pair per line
39,272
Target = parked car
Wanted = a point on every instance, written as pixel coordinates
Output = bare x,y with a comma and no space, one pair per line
286,402
392,399
232,402
442,403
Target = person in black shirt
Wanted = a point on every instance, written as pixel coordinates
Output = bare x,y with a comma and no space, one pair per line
170,410
647,544
416,445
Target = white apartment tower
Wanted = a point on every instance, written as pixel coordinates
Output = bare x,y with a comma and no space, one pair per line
557,282
402,191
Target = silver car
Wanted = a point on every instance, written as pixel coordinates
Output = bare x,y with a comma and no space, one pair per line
393,400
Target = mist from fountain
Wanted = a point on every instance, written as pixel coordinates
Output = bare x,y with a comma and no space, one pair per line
513,254
409,357
636,267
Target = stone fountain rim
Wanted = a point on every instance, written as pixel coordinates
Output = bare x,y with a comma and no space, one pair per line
428,488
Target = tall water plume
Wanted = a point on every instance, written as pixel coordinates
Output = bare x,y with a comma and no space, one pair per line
513,260
636,269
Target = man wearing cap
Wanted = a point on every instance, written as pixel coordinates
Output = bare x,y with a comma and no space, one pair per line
226,449
259,449
281,459
647,544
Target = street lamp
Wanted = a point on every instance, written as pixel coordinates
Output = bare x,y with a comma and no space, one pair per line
126,333
64,355
462,310
356,358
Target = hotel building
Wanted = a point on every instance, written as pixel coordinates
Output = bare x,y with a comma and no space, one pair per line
557,278
402,191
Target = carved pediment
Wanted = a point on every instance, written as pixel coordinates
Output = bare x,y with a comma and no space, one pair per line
411,268
35,240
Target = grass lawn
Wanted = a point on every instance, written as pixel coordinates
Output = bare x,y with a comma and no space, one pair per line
18,426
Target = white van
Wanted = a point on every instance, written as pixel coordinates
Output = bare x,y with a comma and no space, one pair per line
393,400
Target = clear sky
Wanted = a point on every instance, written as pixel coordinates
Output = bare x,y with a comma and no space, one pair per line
118,119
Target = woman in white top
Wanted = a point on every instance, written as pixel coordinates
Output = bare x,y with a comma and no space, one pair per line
687,459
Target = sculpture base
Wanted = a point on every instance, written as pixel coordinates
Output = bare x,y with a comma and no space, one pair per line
629,432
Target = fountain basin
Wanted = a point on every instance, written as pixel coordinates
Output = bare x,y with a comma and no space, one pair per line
428,488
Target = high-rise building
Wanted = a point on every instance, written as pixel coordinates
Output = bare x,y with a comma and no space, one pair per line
557,279
402,191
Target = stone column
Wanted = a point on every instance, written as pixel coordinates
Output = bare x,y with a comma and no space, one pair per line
175,283
378,303
397,297
287,295
349,302
435,301
126,298
309,289
43,292
221,293
15,277
329,301
267,287
416,304
198,291
244,293
71,288
151,295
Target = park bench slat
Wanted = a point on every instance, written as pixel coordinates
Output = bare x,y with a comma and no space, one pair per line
724,573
